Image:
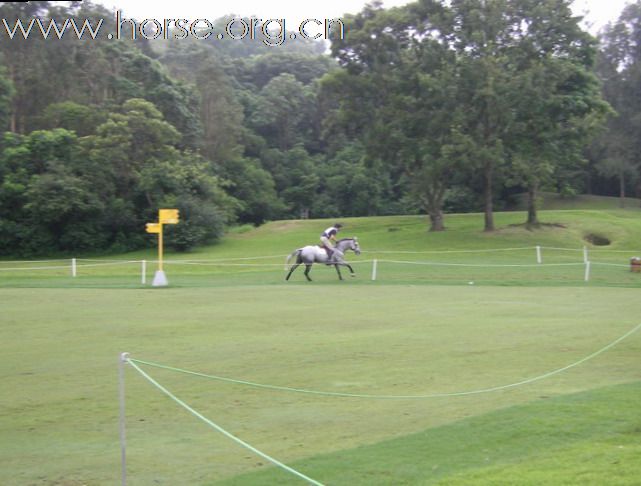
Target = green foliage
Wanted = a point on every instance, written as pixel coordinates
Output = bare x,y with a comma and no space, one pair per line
202,223
280,110
619,66
81,119
41,196
190,185
438,89
7,92
254,189
61,194
64,205
431,107
349,187
257,71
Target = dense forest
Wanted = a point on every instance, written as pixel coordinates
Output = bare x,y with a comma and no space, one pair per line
429,108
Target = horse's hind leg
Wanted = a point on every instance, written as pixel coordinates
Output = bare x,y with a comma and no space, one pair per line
291,270
308,267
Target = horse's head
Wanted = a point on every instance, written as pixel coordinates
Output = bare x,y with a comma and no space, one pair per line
355,246
348,244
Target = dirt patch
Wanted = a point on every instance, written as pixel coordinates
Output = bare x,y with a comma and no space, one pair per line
597,240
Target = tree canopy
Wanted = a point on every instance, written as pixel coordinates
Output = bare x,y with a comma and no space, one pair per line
427,108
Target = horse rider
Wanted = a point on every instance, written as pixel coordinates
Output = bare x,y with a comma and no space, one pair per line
328,238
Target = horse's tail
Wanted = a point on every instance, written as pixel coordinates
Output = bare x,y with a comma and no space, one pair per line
289,257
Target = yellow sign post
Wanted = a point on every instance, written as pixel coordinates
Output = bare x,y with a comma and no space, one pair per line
165,216
168,216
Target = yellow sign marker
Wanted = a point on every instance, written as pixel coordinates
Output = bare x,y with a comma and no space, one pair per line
165,216
153,227
168,216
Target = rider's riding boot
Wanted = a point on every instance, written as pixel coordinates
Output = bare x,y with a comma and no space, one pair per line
330,253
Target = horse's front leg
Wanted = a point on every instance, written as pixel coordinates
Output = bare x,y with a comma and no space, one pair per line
308,267
338,271
351,270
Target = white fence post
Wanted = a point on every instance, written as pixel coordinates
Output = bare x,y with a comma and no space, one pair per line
144,272
123,437
374,265
74,270
587,271
585,254
538,255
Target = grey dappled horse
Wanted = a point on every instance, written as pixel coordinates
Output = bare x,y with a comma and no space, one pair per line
311,254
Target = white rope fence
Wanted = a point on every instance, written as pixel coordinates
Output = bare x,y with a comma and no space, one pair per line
461,393
76,265
483,265
425,252
124,358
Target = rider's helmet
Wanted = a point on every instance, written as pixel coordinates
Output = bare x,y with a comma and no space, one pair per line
338,225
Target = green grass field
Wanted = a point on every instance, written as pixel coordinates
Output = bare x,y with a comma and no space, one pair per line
418,330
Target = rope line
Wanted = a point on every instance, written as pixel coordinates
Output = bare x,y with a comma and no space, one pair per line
251,261
364,395
106,260
255,264
488,265
35,261
235,259
609,264
66,267
488,250
351,262
226,264
219,428
78,265
605,250
107,264
214,264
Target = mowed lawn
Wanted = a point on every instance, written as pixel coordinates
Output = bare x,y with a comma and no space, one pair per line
59,406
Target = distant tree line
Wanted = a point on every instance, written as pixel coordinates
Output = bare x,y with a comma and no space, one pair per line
430,107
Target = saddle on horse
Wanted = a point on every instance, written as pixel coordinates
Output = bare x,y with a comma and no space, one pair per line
329,251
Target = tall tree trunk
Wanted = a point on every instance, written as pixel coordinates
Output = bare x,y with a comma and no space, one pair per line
432,200
436,220
488,196
532,217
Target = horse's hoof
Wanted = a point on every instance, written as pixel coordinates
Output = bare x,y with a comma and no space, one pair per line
352,275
